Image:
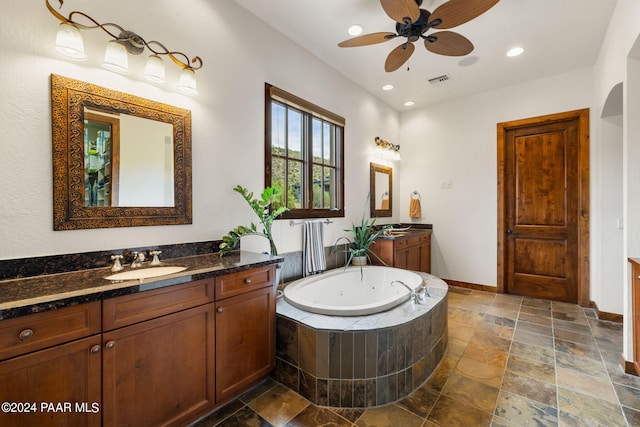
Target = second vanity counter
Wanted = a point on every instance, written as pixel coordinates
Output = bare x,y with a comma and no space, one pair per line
409,249
19,297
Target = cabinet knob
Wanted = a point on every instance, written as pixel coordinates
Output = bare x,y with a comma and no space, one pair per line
26,334
220,309
95,349
247,281
110,344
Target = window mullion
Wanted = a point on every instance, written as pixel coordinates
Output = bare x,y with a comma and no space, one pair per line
308,161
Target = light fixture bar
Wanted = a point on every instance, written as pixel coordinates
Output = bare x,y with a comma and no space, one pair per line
386,149
132,42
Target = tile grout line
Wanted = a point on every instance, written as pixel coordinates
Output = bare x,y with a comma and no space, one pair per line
615,392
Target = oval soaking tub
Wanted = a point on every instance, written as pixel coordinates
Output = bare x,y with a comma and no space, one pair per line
352,291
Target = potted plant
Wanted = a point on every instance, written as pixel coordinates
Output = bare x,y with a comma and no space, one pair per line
359,245
262,208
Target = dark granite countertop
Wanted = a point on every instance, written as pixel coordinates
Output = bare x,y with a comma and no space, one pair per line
405,234
19,297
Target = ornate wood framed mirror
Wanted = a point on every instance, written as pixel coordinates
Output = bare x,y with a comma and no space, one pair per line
118,160
381,190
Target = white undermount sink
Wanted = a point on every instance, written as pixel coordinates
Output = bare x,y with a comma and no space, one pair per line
145,273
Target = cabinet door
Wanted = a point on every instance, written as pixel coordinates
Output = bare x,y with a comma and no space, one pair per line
384,251
425,257
245,341
414,258
62,382
400,258
160,371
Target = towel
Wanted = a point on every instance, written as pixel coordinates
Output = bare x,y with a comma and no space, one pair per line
414,208
384,204
313,259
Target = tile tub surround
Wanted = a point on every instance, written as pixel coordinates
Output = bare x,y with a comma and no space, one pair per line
19,297
361,361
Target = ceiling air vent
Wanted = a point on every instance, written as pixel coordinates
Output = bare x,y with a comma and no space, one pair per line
440,80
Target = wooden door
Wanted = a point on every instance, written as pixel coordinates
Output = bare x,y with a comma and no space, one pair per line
60,386
160,372
245,339
543,207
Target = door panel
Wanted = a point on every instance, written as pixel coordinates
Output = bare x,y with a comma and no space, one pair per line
542,174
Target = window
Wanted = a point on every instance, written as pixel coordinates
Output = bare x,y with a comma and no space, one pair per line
304,147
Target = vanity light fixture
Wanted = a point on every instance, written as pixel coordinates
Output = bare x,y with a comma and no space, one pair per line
386,150
70,44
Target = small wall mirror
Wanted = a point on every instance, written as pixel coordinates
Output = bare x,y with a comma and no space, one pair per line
118,160
381,190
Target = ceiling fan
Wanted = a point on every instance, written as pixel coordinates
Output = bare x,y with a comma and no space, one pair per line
413,24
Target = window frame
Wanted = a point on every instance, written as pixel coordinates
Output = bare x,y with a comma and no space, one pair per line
309,111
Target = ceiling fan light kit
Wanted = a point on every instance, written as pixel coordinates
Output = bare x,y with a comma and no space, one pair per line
413,24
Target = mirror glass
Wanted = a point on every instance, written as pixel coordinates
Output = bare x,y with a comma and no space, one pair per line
118,160
128,160
380,181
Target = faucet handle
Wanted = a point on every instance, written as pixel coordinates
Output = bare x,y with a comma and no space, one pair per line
155,260
117,265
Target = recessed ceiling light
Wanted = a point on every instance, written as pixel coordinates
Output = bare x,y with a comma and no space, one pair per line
515,51
409,103
387,87
355,30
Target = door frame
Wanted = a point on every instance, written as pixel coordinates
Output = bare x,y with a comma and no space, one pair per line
583,196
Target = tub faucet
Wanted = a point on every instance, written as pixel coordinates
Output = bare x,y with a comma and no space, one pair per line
415,296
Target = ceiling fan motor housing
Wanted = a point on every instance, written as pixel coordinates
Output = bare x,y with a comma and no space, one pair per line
413,31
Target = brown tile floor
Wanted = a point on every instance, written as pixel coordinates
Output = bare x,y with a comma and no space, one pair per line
511,361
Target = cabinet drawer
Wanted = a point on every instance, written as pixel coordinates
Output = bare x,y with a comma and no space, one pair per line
36,331
401,243
130,309
414,240
244,281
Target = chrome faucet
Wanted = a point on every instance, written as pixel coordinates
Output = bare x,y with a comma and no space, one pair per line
415,295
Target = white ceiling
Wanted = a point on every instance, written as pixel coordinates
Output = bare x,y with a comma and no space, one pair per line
558,36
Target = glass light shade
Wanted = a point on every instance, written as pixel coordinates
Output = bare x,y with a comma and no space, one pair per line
115,58
69,41
154,70
187,82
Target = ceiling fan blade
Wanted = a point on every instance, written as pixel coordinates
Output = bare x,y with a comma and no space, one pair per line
367,39
398,10
448,43
457,12
398,56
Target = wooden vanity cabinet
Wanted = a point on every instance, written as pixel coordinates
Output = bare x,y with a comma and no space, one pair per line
155,358
50,360
411,251
245,330
158,363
